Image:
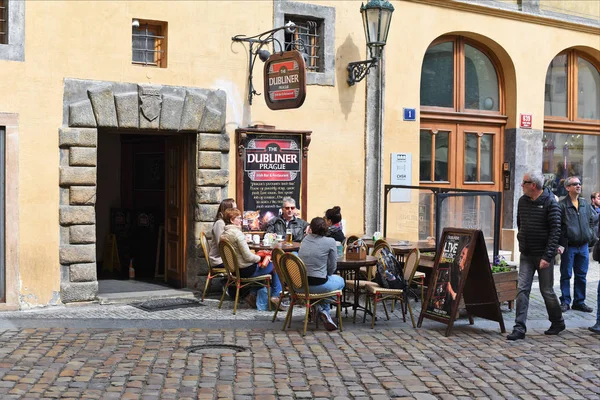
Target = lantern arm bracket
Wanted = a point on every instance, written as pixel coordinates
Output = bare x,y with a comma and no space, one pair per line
359,69
260,41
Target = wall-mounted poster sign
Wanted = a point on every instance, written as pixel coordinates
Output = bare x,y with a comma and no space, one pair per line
271,166
285,80
461,270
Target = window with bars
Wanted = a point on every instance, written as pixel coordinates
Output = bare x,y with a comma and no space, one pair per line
3,21
149,43
307,39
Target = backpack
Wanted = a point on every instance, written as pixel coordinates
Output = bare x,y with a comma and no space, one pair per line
389,273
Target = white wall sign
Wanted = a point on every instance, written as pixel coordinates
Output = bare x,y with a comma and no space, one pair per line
401,174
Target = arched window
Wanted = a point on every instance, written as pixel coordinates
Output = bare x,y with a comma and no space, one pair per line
462,120
572,122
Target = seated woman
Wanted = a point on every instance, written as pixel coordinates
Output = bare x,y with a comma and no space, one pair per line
333,218
247,260
319,254
217,230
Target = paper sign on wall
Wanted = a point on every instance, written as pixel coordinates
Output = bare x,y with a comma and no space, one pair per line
401,174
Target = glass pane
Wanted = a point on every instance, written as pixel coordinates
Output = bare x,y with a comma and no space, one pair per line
441,156
426,215
471,158
437,76
486,154
425,156
555,96
481,81
570,155
588,93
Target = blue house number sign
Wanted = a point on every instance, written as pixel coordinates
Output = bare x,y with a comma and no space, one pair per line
410,114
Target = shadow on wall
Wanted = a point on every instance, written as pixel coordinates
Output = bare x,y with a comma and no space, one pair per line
346,53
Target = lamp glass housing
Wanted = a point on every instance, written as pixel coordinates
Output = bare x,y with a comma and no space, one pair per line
377,15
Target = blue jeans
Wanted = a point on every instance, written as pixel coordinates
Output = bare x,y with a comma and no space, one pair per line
527,268
575,259
253,270
334,282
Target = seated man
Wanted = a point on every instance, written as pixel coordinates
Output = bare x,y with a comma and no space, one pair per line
288,220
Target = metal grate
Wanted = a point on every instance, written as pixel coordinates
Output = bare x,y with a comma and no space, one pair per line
216,348
3,21
307,40
148,45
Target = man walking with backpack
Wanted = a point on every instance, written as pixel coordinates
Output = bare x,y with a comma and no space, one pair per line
538,220
578,221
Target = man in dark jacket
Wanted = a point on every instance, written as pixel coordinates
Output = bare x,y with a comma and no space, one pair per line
288,220
538,220
578,223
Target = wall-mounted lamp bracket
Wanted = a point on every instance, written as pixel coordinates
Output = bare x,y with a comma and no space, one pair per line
261,40
359,69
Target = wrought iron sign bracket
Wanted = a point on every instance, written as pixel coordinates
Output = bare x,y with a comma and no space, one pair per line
261,40
359,69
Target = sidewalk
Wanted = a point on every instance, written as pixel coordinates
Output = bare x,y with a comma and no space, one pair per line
209,316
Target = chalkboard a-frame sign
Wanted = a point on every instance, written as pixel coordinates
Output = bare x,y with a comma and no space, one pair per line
271,165
461,270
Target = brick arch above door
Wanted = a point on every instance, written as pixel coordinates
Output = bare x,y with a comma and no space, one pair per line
89,105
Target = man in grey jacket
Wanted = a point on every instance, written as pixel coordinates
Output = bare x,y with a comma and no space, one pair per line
578,221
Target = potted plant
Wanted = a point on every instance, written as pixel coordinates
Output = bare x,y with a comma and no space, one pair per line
505,278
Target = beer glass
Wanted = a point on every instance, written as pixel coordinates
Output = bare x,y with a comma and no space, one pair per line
288,236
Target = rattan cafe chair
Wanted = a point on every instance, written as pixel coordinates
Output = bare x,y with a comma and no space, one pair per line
411,275
369,274
377,294
212,272
230,260
294,273
277,253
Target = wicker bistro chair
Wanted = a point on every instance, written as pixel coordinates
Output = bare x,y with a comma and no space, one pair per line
294,273
411,275
277,253
378,294
369,274
212,272
233,275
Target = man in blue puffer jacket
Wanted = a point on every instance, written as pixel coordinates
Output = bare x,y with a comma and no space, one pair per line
578,222
538,220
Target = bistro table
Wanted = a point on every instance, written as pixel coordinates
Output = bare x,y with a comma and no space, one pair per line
347,268
294,246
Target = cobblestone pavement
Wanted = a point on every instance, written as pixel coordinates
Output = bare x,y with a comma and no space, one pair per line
106,352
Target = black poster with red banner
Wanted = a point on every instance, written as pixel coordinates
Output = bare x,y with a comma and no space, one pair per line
272,168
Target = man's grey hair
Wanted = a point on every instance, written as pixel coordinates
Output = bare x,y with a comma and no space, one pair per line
537,178
571,179
289,200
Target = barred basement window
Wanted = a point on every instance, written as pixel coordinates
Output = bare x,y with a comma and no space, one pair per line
149,43
3,21
307,39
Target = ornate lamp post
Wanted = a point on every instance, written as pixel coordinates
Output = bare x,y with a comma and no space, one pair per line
377,16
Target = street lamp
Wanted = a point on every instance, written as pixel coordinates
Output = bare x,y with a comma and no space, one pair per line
376,15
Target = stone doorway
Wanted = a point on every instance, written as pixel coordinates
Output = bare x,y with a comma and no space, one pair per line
93,107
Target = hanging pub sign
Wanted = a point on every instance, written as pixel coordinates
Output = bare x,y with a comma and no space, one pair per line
461,271
271,165
285,80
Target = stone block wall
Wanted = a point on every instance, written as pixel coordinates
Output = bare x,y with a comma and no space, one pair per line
90,105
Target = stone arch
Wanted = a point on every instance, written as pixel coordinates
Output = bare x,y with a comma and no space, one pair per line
89,105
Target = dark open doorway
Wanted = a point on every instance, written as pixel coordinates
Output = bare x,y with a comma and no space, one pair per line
131,206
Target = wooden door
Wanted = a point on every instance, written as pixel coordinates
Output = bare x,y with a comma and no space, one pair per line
463,156
175,222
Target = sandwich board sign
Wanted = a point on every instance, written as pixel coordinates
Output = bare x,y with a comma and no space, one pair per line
461,271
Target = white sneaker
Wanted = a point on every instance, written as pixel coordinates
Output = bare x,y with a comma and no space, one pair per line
327,321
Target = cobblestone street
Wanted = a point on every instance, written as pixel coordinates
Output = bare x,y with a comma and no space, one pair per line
118,351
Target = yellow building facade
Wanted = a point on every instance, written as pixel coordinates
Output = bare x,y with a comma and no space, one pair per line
80,111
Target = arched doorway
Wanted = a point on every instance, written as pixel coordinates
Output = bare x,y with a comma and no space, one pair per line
462,124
